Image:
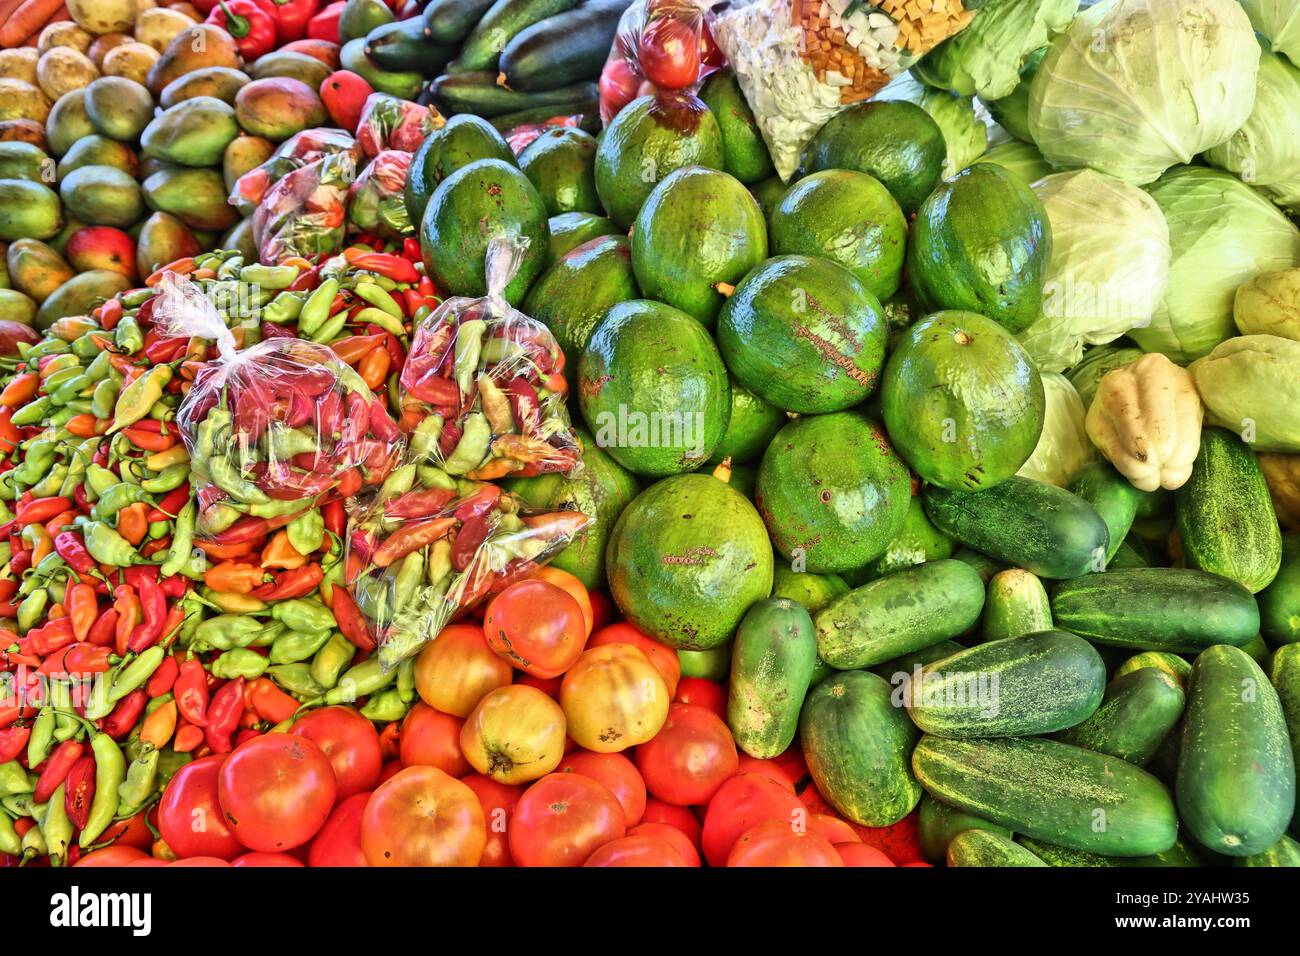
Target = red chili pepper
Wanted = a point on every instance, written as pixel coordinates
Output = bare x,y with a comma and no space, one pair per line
56,768
350,620
251,26
419,504
42,641
175,587
82,658
223,716
388,266
40,510
162,351
525,405
72,549
171,505
335,516
191,691
127,605
125,715
104,630
187,738
294,583
479,503
246,529
13,740
163,679
471,535
80,790
153,610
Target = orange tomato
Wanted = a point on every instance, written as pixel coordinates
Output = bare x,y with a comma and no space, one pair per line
835,830
431,738
777,843
661,655
457,669
614,698
619,775
567,582
423,817
537,627
859,854
641,850
514,735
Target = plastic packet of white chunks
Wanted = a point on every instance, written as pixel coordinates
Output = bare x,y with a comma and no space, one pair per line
799,62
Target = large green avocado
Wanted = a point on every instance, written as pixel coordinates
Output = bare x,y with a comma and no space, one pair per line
895,141
485,200
805,334
573,295
686,560
465,139
601,491
848,217
653,389
962,401
981,242
832,492
745,154
561,164
699,228
647,140
753,424
571,229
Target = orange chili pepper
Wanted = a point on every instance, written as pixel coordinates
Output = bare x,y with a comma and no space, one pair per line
83,608
147,440
127,605
42,543
159,726
184,266
133,522
9,435
233,576
86,425
20,390
356,347
110,313
60,521
373,369
56,611
223,552
187,737
270,703
279,553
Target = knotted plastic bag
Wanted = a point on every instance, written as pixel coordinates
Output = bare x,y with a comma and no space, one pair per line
305,213
274,428
391,123
483,389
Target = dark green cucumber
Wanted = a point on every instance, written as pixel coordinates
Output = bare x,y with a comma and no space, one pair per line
1179,668
1180,854
563,49
589,111
1279,603
1016,604
1051,791
449,21
899,613
1026,523
1113,497
1127,556
1285,852
481,50
1157,609
1284,672
481,94
988,849
1135,716
857,745
937,824
1225,515
772,661
1236,772
1034,684
403,45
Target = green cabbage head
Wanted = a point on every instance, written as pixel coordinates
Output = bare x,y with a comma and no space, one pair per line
1063,447
1279,21
1266,151
1023,160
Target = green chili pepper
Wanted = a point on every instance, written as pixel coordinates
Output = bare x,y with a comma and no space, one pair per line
284,308
54,379
227,631
84,346
272,508
141,780
239,662
268,277
10,843
56,828
120,496
32,412
307,531
317,307
127,335
102,365
304,614
228,479
364,679
294,646
69,390
178,555
376,296
373,316
469,347
107,546
20,805
98,480
472,447
331,660
406,680
31,609
171,477
51,484
136,672
14,779
330,328
283,443
385,707
42,736
296,679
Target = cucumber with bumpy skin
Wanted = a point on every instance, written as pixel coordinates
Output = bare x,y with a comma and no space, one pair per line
1180,854
988,849
1016,604
772,661
1112,495
937,824
1138,711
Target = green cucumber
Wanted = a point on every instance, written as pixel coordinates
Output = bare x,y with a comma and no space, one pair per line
1126,556
1113,497
1284,672
899,613
403,45
1236,772
1051,791
1179,668
1285,852
857,745
1279,603
1016,604
1225,515
563,49
937,824
985,848
1157,609
1035,684
772,661
1180,854
1137,713
1027,523
904,668
481,50
449,21
481,94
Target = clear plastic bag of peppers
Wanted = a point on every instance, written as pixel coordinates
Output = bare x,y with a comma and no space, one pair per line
298,150
388,122
377,200
483,390
305,213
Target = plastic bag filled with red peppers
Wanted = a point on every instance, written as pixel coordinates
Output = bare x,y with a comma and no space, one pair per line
272,428
430,546
377,200
305,213
391,123
483,389
297,151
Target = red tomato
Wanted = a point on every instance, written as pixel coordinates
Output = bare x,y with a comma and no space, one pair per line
389,768
112,856
570,585
702,692
679,818
537,627
189,814
859,854
832,828
690,758
617,773
777,843
266,860
669,53
498,801
339,841
643,850
901,842
276,791
431,738
562,819
155,861
791,760
766,768
423,817
602,609
550,686
619,83
674,837
199,861
351,744
740,804
663,657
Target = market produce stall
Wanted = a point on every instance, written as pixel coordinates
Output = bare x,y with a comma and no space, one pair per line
771,433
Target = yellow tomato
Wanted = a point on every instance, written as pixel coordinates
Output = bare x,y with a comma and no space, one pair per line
614,698
514,735
457,669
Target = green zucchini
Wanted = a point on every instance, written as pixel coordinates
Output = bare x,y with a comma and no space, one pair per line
1033,684
857,745
1016,604
1135,716
986,848
899,613
1279,603
1180,854
1179,668
1113,497
1225,516
937,824
1026,523
1236,772
1052,792
1156,609
563,49
481,50
772,661
403,45
449,21
481,94
1285,852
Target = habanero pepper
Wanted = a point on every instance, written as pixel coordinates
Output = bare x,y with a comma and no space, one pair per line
224,711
